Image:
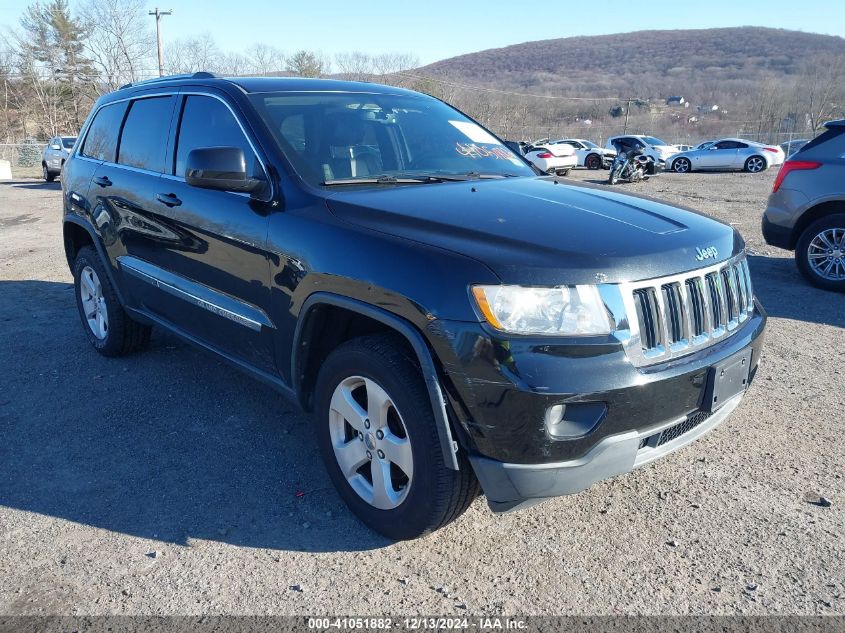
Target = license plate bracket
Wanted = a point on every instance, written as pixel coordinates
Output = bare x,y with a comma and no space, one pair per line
726,379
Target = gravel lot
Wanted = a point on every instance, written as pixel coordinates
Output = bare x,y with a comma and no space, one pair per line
168,483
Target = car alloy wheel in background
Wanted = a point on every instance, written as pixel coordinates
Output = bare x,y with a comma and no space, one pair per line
826,254
755,164
681,165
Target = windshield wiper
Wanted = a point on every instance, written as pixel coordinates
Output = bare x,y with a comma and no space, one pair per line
476,175
414,179
385,180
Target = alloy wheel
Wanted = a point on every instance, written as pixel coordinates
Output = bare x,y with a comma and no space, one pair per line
826,254
681,165
370,442
755,164
94,302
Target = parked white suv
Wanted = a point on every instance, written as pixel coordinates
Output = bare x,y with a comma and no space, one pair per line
654,147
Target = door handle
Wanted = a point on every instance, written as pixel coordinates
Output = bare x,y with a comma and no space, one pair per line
103,181
168,199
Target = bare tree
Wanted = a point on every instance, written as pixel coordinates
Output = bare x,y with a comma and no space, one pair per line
354,66
820,92
265,59
193,54
119,41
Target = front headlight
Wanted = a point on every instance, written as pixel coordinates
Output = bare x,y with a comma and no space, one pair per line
559,311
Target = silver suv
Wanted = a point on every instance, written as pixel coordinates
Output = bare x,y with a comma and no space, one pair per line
54,156
806,210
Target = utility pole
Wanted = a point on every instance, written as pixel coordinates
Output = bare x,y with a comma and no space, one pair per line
158,15
627,110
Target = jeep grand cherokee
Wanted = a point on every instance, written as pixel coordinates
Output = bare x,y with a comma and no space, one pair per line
454,321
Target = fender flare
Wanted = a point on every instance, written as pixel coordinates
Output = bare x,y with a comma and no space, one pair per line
101,251
417,343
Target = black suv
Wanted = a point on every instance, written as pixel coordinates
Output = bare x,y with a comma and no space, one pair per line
452,319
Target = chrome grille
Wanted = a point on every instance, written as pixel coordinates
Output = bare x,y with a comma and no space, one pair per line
678,315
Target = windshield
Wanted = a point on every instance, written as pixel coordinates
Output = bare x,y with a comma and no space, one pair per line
652,140
589,144
331,137
68,141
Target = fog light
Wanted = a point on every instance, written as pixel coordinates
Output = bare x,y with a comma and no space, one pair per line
554,415
573,420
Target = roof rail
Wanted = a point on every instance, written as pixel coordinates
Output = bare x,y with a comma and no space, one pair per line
198,75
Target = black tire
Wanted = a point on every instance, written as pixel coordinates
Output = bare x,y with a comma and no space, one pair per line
124,334
681,165
802,251
751,161
48,175
593,161
437,494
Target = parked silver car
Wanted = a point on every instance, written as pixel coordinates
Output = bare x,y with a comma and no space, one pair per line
54,156
727,153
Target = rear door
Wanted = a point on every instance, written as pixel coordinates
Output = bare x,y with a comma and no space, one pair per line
209,260
125,185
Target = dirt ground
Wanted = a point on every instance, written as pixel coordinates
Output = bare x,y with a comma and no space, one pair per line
168,483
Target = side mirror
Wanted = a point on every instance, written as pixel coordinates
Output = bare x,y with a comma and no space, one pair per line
221,168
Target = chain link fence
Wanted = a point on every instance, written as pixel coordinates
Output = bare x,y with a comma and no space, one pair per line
25,158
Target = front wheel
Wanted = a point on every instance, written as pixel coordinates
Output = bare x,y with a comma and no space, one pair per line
820,253
755,164
682,166
378,439
593,161
47,174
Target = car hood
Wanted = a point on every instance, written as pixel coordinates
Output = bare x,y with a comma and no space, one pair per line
533,231
666,150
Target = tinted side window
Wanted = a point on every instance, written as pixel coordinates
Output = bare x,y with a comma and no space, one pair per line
833,132
101,141
143,143
207,122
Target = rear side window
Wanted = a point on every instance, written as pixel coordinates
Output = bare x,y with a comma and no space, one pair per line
834,132
101,141
207,122
143,143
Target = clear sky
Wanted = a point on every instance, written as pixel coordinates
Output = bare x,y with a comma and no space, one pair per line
437,29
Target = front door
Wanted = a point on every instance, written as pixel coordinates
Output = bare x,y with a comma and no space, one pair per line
720,155
212,269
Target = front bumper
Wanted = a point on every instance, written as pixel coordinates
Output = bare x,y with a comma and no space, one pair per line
500,390
514,486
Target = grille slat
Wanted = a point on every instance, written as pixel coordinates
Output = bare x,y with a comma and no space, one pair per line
674,432
684,313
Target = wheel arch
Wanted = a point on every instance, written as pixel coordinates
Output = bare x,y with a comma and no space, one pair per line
361,318
812,214
77,233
